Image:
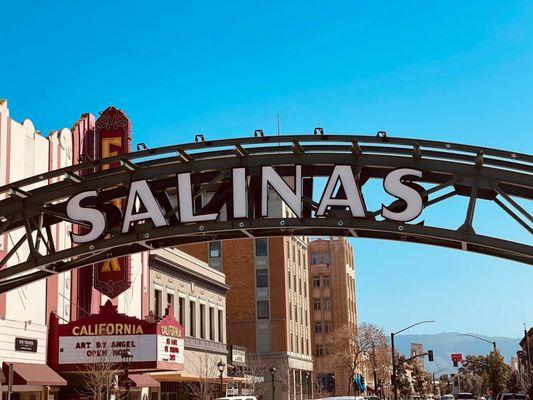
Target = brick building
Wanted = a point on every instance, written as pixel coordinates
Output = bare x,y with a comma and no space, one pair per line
268,302
333,305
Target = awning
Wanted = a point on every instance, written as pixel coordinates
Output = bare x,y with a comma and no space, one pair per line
144,380
33,374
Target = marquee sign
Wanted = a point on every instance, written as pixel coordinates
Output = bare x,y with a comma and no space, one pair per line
103,338
112,137
142,205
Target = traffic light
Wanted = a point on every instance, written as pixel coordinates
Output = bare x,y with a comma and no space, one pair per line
430,355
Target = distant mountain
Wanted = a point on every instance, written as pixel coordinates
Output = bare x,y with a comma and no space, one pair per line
444,344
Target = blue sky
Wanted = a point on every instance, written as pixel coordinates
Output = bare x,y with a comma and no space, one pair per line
448,70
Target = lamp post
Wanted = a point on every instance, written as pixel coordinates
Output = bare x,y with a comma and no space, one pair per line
272,374
220,366
308,380
480,338
394,383
127,357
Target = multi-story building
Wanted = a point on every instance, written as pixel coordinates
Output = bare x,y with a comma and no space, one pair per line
268,302
416,350
158,278
333,305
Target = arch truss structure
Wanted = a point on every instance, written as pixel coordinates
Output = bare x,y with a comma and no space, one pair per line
218,190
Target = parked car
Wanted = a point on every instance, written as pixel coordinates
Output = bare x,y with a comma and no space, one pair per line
238,398
510,396
447,397
465,396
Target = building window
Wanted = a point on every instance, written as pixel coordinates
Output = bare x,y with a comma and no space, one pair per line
325,281
202,321
170,299
300,285
220,326
215,249
319,351
181,312
289,278
299,257
327,327
293,252
294,281
305,289
261,278
261,247
318,328
327,303
292,342
158,300
211,323
314,258
262,310
316,282
316,305
325,258
192,318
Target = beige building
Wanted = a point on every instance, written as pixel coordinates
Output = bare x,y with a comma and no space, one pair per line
197,294
333,305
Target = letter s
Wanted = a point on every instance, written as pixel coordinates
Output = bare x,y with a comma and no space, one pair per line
395,187
91,215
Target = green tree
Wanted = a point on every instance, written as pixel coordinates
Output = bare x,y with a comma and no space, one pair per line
445,385
498,373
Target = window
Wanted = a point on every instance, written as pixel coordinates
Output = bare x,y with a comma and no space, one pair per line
215,249
181,312
211,323
292,342
202,321
319,351
327,327
289,278
318,328
305,289
325,258
300,285
316,305
316,282
262,310
290,310
158,298
192,318
325,281
327,303
294,281
220,326
293,253
261,278
261,247
314,258
170,299
299,257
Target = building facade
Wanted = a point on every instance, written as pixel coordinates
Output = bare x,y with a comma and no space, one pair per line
268,303
196,292
333,306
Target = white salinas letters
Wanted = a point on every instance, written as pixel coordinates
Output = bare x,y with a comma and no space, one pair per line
353,200
394,186
91,215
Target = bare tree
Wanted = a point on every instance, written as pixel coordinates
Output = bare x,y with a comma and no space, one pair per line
98,378
206,387
349,346
254,378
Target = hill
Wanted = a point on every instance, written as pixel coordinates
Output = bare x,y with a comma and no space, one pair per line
444,344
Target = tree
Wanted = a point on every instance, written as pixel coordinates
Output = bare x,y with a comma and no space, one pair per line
348,347
254,378
206,387
403,377
99,377
498,373
444,385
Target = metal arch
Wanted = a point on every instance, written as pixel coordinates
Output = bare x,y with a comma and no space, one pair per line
472,171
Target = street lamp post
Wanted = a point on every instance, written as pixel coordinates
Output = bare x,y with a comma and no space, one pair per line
272,374
394,383
220,366
127,357
480,338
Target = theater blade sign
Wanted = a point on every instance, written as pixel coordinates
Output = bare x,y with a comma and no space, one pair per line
397,183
